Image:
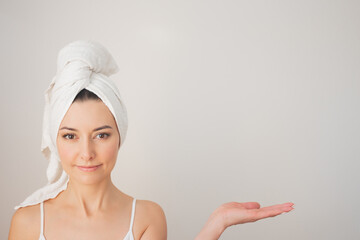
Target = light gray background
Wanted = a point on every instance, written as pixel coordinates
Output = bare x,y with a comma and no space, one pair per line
227,101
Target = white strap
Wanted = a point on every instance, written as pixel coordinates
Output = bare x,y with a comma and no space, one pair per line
42,218
132,214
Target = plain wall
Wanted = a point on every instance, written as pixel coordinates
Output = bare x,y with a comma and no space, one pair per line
227,101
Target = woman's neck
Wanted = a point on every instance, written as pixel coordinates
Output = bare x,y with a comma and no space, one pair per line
90,198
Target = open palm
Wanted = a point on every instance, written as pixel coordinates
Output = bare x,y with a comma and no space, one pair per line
233,213
237,213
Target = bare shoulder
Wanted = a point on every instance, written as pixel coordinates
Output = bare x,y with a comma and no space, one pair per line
25,223
151,219
147,207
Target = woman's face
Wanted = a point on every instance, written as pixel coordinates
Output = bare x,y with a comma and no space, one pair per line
88,137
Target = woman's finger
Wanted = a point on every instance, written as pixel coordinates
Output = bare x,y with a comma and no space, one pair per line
271,211
279,205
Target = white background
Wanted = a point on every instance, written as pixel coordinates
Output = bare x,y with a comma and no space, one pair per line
227,101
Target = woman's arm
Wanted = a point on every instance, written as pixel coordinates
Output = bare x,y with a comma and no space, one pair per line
23,225
234,213
156,228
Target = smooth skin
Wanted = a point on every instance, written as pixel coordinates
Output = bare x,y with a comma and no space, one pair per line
92,207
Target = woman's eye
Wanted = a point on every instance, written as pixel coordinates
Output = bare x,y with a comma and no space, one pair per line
103,135
69,136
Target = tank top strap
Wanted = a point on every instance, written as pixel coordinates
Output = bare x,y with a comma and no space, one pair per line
42,218
132,214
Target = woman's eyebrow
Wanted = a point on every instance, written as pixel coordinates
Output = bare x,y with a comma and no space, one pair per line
96,129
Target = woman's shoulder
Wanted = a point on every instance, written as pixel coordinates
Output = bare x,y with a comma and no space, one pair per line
150,219
148,206
25,223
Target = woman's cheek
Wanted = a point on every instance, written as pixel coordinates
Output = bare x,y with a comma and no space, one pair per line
66,153
110,153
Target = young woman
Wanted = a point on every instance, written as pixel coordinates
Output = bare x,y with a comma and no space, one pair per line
84,126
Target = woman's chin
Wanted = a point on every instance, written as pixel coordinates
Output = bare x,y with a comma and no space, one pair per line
89,179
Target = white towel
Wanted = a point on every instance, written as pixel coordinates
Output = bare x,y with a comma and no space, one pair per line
81,64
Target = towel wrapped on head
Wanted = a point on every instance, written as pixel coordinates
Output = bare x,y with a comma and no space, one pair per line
80,65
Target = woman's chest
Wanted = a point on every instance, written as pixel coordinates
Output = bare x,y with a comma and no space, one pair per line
110,227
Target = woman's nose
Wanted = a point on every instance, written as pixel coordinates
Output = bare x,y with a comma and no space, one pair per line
87,150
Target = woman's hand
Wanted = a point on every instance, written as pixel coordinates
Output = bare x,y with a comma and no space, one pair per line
233,213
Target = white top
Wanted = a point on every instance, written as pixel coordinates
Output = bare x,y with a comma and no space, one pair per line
129,235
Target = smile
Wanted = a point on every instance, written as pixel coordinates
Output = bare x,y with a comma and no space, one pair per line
89,169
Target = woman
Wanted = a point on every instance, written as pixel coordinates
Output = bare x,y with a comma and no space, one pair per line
85,123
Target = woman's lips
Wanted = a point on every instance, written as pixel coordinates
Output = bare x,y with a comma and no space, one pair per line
89,169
